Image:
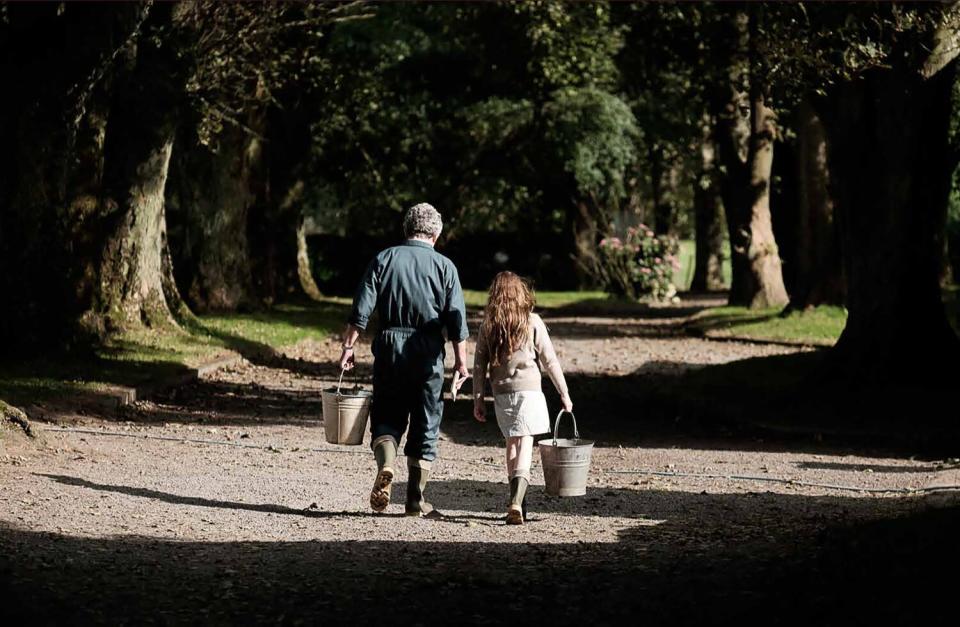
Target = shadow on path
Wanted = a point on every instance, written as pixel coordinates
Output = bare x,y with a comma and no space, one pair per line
197,501
775,559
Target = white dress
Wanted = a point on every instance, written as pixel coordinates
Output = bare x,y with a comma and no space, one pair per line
522,413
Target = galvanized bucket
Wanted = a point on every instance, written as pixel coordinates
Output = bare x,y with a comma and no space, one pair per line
566,462
345,413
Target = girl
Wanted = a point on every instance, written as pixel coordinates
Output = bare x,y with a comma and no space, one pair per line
512,341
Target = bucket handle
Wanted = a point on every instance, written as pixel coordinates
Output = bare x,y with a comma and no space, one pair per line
356,386
556,426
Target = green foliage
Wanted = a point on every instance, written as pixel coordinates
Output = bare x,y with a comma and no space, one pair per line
594,134
805,47
494,121
238,56
639,264
666,78
499,114
572,44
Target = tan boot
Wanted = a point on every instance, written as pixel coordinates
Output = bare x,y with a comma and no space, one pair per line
385,450
419,474
516,512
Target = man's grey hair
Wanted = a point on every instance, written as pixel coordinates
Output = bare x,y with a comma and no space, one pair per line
422,219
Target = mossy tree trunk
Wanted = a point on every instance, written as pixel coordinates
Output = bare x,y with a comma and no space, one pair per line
56,127
131,286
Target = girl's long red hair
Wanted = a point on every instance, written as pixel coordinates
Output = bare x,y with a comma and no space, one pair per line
506,318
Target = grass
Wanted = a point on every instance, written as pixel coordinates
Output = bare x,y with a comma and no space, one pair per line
683,277
819,326
145,355
545,300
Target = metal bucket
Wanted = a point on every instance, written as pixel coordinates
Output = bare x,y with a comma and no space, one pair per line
345,414
566,462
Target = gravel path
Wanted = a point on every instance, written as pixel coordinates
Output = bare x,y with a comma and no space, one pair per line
221,503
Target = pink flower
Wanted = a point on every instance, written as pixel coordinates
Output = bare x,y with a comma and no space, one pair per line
657,260
603,242
645,270
649,233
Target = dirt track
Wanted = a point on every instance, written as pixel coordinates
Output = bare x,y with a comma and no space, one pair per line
221,503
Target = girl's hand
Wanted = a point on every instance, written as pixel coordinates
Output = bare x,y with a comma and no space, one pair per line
479,411
567,403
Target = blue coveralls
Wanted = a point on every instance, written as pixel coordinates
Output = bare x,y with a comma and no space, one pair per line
417,295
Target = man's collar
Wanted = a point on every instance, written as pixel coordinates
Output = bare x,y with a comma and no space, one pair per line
418,242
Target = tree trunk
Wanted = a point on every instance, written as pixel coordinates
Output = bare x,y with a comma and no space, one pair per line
282,263
732,136
130,289
291,205
708,222
659,175
817,274
891,166
585,244
766,287
56,125
745,133
212,194
130,266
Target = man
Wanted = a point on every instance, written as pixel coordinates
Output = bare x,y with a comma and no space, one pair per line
416,293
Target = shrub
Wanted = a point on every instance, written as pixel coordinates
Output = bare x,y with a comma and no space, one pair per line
639,263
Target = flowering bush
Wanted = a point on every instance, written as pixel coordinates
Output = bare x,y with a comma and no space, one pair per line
639,264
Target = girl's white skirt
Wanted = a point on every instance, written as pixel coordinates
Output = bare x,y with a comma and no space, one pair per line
522,413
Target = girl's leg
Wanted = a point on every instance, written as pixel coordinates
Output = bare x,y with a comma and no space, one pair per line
524,456
519,458
511,455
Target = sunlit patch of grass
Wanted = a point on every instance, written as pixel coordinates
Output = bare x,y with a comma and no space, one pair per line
145,355
819,326
283,325
545,299
683,277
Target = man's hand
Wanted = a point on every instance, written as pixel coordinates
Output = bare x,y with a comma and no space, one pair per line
347,358
350,335
479,410
457,383
567,403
